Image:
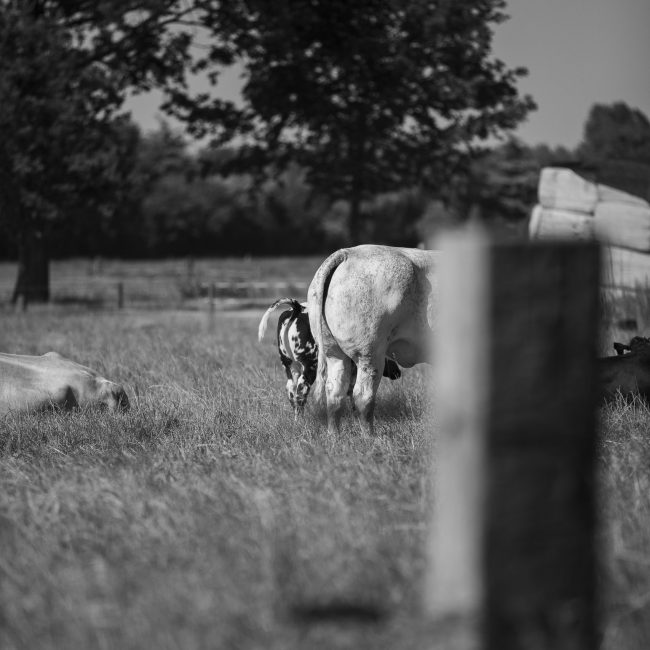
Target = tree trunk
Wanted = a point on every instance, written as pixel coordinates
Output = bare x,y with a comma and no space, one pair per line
358,187
354,225
33,281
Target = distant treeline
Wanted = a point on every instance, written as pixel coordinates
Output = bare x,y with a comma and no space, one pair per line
366,121
178,202
175,203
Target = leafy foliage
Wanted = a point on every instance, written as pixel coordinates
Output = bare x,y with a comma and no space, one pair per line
616,147
504,181
55,122
65,69
176,204
360,121
367,96
616,132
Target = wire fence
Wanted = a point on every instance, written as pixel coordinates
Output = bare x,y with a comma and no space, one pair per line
177,283
163,293
234,282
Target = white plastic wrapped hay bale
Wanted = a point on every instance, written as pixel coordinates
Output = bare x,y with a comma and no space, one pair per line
608,194
563,189
623,224
546,223
624,268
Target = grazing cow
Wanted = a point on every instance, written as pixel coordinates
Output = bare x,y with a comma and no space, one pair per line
36,383
299,353
366,304
627,373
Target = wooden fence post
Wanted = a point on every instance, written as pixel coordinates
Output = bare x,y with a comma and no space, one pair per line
512,553
212,292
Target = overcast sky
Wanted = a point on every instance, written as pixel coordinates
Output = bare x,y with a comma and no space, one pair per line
578,52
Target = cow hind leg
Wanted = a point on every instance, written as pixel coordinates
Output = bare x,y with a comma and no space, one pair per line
369,373
353,379
290,386
336,388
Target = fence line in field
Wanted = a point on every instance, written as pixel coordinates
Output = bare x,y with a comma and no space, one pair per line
112,292
124,292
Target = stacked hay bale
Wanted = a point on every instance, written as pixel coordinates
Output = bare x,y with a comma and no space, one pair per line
572,207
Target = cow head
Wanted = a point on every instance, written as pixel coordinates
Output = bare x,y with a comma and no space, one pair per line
113,397
298,391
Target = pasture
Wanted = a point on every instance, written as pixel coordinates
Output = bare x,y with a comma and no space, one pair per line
206,518
173,283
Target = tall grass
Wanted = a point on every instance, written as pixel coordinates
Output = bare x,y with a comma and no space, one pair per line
625,518
201,518
207,518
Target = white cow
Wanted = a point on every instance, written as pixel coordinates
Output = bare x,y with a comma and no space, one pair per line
299,353
35,383
366,304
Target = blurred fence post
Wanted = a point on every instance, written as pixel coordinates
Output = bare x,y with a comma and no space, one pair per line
511,549
211,296
120,295
212,291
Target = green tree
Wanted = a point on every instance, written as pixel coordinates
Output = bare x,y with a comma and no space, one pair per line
66,67
616,132
616,148
52,147
503,182
173,201
96,224
368,96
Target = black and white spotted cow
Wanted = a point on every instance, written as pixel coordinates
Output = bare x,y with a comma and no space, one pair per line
299,352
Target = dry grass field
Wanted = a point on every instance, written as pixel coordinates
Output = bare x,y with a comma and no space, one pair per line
206,518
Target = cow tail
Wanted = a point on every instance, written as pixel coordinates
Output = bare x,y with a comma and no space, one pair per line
296,308
318,389
316,307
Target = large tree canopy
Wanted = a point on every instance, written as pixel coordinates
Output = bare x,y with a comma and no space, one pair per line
364,96
65,69
368,95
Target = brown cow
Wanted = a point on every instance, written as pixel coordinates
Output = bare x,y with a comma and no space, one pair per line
36,383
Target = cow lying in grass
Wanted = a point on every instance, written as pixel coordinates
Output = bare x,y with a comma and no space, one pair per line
33,383
299,352
627,373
